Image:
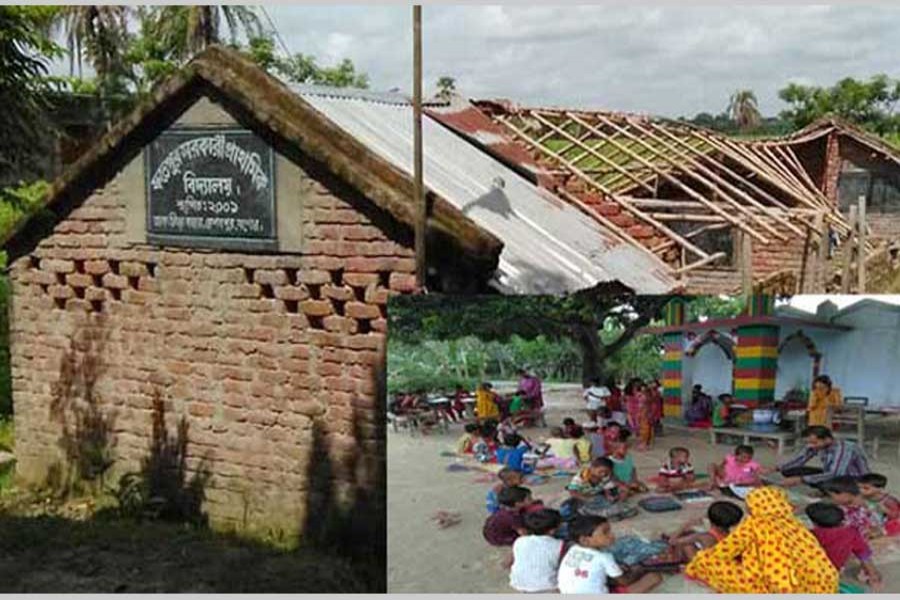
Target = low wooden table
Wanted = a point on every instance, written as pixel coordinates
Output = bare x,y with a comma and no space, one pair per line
747,434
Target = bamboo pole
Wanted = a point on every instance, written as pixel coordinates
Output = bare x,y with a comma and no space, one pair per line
849,249
618,199
746,265
721,181
421,209
861,262
821,255
690,235
690,191
804,264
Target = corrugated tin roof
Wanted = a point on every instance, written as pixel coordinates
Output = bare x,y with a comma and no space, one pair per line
549,246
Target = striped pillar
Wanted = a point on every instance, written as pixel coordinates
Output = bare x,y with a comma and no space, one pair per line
756,359
671,375
760,306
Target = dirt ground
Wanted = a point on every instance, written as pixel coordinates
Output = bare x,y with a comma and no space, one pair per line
424,558
50,547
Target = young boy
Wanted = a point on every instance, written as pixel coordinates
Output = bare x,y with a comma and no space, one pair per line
570,427
597,480
595,397
685,543
508,478
598,443
467,440
677,473
738,468
844,492
840,541
589,567
512,452
536,556
504,526
871,487
623,466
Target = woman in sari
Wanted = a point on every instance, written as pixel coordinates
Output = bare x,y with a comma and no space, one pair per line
825,397
485,403
769,552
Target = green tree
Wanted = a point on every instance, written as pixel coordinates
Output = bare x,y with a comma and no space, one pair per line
870,104
98,33
744,110
301,68
25,52
577,317
446,88
186,30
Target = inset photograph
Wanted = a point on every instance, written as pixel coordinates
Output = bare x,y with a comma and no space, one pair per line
595,443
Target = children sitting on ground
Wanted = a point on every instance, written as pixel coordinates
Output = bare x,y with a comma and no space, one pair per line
509,478
677,473
623,466
596,439
589,567
597,481
844,492
886,506
536,555
570,427
485,446
840,541
468,439
581,447
512,452
560,452
686,542
612,432
504,526
738,469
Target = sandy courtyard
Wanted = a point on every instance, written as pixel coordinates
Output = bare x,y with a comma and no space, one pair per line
424,558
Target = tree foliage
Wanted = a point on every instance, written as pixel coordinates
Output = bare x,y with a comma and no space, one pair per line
302,68
870,104
743,109
446,88
25,52
577,317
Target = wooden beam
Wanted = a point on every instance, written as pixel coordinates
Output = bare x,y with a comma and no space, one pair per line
418,182
804,263
746,265
618,199
688,190
849,249
821,255
861,262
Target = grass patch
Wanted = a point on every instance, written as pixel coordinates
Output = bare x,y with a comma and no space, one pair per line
53,547
7,435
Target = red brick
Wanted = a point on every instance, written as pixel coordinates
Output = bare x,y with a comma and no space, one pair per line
273,277
290,292
313,277
402,282
358,310
111,280
361,279
608,209
133,269
316,308
57,266
61,291
343,293
79,280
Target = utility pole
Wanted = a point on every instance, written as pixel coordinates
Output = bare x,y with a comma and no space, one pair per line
420,209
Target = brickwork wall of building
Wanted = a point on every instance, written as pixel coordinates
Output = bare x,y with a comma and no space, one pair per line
267,367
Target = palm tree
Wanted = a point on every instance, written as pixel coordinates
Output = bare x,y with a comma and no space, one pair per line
446,88
95,32
744,110
189,29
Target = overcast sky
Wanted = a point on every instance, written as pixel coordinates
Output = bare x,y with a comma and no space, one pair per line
810,302
667,61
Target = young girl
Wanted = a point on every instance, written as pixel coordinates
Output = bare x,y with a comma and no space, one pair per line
844,491
677,473
468,439
886,506
639,413
623,467
738,468
770,552
823,399
588,567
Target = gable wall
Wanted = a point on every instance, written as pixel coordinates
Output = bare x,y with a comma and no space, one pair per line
270,362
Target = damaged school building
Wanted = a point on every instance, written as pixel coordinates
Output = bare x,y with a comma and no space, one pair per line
209,282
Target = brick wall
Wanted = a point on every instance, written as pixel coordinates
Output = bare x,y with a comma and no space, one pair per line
265,369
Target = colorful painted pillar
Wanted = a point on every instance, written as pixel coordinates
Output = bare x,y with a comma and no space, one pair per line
756,355
673,350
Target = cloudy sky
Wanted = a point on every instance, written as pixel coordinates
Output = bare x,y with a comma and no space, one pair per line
662,60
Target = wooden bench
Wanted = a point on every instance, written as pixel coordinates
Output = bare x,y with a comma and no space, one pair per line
747,434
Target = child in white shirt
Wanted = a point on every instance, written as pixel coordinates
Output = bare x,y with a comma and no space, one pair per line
588,566
536,556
